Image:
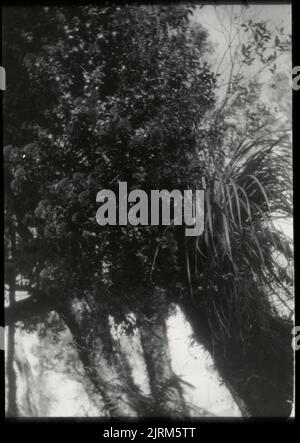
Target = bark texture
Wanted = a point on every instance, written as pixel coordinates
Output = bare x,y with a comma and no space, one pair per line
258,368
104,363
28,308
103,360
12,408
165,386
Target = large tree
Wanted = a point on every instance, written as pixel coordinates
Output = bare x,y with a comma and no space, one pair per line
102,95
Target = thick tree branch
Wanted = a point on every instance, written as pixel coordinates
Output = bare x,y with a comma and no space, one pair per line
29,307
258,371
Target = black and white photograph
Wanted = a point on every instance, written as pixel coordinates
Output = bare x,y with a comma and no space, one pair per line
148,211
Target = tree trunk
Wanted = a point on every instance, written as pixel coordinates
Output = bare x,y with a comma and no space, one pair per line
257,369
27,404
164,384
35,305
102,358
12,408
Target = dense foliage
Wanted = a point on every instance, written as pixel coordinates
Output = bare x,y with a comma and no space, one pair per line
96,96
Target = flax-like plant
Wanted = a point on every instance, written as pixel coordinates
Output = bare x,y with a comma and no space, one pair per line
243,256
239,274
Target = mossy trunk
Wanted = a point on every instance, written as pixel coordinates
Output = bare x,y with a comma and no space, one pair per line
256,367
104,363
165,386
12,408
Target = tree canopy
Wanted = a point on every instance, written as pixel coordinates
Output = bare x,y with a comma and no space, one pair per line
102,95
